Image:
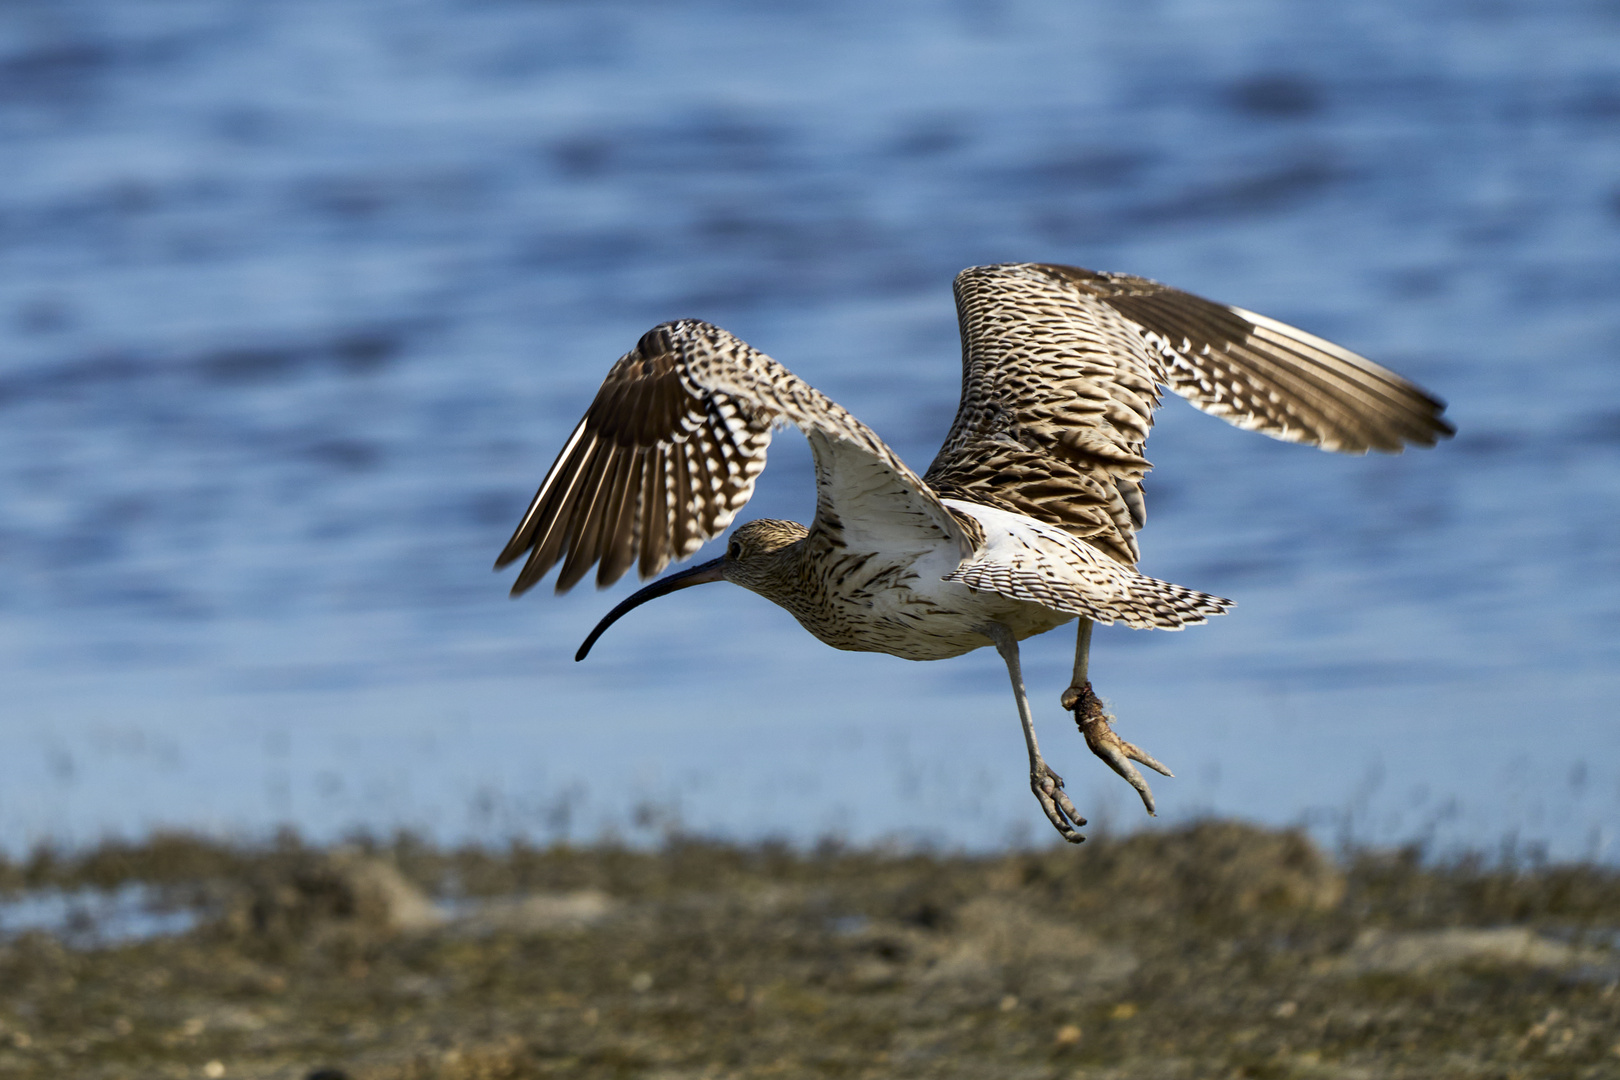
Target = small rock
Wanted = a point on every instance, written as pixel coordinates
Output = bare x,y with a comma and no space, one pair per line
538,912
1219,867
996,934
875,974
381,895
1417,952
312,891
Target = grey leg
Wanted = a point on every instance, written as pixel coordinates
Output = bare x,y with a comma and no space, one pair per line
1094,724
1047,785
1082,653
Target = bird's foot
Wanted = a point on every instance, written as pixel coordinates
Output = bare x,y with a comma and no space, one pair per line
1060,811
1095,725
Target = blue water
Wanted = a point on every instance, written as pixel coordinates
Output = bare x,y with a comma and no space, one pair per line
91,917
298,300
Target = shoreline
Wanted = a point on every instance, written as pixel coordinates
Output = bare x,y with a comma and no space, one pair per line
1215,950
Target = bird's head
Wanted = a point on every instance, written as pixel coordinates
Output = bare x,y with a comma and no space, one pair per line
757,558
754,554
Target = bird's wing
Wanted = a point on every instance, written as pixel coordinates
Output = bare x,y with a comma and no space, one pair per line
1058,393
670,449
1061,370
1266,376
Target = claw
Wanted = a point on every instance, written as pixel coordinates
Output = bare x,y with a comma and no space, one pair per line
1060,811
1100,736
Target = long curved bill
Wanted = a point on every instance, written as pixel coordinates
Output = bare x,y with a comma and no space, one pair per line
697,575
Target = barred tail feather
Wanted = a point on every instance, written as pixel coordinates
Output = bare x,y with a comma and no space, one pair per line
1138,601
1024,559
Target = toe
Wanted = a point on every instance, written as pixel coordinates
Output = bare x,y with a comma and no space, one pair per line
1136,753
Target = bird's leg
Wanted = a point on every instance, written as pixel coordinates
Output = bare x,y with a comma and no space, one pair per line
1094,724
1047,785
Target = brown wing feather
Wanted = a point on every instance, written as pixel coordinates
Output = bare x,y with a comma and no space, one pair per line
1058,394
1061,374
1265,376
669,450
658,465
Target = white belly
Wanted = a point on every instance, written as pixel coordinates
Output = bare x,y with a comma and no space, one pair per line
911,612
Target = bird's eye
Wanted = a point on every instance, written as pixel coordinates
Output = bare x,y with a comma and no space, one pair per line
734,550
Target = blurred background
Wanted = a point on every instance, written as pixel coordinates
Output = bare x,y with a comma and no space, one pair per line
299,299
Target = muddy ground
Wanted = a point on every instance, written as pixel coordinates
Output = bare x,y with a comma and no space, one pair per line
1219,951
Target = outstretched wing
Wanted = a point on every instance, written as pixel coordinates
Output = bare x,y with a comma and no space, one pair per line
1062,369
670,449
1266,376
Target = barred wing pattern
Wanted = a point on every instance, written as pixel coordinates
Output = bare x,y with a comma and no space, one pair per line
1061,370
669,450
1266,376
1058,393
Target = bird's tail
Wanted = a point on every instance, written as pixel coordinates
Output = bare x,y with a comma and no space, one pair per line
1025,559
1117,594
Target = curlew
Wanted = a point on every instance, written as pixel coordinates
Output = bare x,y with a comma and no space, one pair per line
1026,519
